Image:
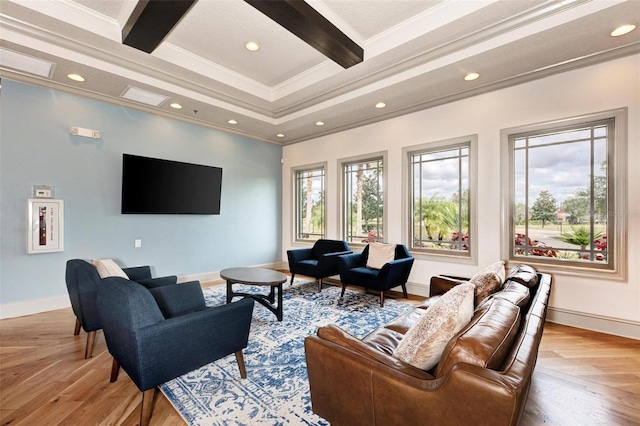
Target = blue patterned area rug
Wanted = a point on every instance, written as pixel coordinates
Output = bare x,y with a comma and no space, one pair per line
276,390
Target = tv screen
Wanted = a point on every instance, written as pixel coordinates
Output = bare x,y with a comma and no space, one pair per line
155,186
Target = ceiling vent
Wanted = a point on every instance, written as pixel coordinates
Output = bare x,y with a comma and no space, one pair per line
143,96
26,63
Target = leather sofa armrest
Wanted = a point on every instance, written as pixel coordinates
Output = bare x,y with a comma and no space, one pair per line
440,284
335,334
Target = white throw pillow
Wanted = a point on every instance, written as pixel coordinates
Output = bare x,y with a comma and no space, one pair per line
424,342
380,254
108,268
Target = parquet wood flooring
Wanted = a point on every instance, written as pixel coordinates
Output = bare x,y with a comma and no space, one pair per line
581,378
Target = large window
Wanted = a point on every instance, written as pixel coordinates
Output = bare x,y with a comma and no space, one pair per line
363,200
310,203
440,207
563,208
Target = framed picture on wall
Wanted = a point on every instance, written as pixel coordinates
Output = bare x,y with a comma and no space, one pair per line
45,225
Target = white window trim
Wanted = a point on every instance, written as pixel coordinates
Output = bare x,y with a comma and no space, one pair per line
620,261
294,201
407,220
385,204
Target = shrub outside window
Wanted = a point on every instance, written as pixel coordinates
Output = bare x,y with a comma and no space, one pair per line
310,204
439,200
363,200
563,184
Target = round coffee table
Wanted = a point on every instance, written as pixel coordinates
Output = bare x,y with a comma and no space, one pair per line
258,277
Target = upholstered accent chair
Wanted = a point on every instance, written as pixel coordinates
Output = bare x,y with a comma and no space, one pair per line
83,279
319,261
354,270
159,334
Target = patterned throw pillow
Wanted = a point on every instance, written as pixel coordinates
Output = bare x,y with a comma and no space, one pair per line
380,254
108,268
424,342
488,281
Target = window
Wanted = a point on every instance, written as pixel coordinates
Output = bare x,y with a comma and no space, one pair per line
563,208
310,203
439,203
363,200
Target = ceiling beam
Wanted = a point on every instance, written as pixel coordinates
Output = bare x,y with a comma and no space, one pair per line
313,28
151,21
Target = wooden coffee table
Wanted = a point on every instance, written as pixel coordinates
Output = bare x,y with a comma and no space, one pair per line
258,277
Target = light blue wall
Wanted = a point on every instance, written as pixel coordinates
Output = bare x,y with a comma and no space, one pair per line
37,149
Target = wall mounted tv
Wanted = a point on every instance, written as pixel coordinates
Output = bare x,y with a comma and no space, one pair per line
155,186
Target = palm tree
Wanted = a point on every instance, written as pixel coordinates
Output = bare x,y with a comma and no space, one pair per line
579,237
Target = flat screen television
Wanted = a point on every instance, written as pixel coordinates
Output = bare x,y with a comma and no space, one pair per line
155,186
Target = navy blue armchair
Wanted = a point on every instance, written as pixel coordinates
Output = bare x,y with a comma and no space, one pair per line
159,334
82,284
354,271
319,261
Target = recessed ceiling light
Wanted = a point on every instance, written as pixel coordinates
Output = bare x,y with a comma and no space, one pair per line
232,121
280,135
75,77
380,105
319,123
471,76
622,30
176,105
252,46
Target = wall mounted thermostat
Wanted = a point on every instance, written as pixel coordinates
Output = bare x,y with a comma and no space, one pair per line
43,191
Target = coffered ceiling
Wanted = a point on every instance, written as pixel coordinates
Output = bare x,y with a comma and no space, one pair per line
416,55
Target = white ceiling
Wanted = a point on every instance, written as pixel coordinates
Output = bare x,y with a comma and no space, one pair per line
416,53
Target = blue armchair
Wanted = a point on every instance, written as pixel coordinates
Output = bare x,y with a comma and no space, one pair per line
162,333
354,271
319,261
82,284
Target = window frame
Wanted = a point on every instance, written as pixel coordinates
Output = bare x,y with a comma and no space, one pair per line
471,141
295,171
342,212
616,194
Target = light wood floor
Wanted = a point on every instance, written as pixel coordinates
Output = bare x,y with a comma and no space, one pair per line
581,378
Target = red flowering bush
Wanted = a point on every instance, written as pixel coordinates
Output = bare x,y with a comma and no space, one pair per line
540,248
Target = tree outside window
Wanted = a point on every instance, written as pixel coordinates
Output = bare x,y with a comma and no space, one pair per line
310,204
363,214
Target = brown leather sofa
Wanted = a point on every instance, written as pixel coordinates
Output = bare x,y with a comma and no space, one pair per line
483,376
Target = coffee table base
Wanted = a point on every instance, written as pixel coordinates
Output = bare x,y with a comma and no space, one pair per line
266,300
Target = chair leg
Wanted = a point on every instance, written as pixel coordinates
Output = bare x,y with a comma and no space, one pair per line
147,406
404,291
115,369
241,366
344,287
76,329
293,275
319,285
382,299
91,340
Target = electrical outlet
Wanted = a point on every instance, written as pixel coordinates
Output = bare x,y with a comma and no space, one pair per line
137,243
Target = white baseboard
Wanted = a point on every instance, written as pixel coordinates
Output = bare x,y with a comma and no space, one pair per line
36,306
33,306
602,324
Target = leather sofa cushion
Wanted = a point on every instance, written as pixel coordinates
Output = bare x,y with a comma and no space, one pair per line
340,337
486,340
524,274
515,293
